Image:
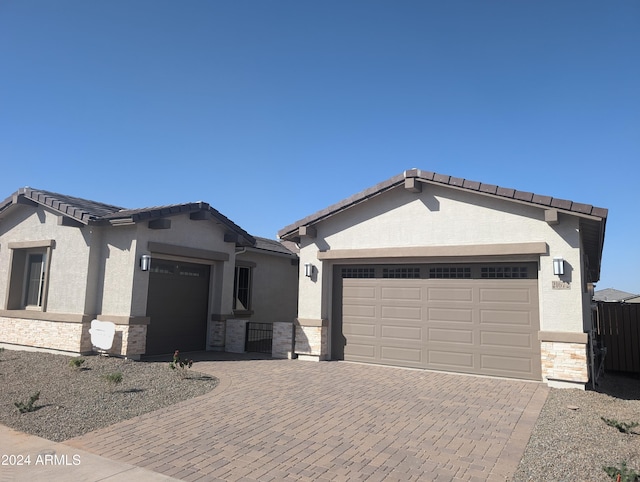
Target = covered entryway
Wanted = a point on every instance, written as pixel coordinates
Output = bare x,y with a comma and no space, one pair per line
177,306
476,318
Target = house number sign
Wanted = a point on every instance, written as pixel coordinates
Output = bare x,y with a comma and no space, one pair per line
560,285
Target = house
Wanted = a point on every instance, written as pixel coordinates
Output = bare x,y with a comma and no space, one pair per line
170,277
430,271
612,295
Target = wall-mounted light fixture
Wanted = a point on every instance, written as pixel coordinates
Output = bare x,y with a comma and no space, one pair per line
308,270
558,266
145,262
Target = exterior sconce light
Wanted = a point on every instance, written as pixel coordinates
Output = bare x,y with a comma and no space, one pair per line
558,266
145,262
308,270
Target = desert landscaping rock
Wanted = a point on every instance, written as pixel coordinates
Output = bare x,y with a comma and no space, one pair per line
571,442
74,401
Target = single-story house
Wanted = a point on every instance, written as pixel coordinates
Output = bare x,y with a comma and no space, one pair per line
169,278
430,271
612,295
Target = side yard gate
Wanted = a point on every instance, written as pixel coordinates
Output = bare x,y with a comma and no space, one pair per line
259,337
618,329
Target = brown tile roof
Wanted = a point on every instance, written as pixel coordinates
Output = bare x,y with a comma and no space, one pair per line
82,210
276,246
91,212
592,224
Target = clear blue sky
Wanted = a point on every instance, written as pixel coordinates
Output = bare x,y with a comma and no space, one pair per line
272,110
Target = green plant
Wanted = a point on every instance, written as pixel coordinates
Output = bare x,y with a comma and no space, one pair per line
622,473
624,427
29,406
114,378
76,362
179,364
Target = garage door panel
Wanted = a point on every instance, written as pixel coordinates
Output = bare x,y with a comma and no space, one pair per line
460,337
506,295
498,364
360,329
491,339
450,315
404,292
362,352
506,317
360,311
403,333
401,313
360,292
449,360
401,354
449,294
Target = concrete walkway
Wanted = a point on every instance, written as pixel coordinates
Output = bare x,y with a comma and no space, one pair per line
331,421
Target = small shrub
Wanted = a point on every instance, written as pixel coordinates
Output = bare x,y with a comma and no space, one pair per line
624,427
180,365
29,406
622,473
114,378
76,362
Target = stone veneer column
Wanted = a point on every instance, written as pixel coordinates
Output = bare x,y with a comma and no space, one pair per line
311,339
235,336
564,359
217,334
282,346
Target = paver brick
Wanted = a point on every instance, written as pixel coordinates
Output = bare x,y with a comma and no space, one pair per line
290,420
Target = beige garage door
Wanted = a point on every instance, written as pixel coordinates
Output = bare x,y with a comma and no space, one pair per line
474,319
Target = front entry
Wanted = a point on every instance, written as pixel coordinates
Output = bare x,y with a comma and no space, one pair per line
177,305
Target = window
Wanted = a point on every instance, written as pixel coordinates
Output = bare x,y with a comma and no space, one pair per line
242,289
405,273
498,272
29,277
358,272
450,272
34,279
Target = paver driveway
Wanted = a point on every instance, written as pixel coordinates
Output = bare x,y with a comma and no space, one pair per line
331,421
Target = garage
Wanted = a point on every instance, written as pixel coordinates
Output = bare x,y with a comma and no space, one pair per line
470,318
177,306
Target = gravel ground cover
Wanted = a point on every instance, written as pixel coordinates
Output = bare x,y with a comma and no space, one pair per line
571,442
74,401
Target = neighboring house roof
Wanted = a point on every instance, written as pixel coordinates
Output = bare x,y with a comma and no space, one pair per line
613,295
592,224
85,212
274,246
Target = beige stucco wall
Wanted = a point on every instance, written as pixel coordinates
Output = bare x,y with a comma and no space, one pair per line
274,294
187,233
441,216
69,275
118,265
